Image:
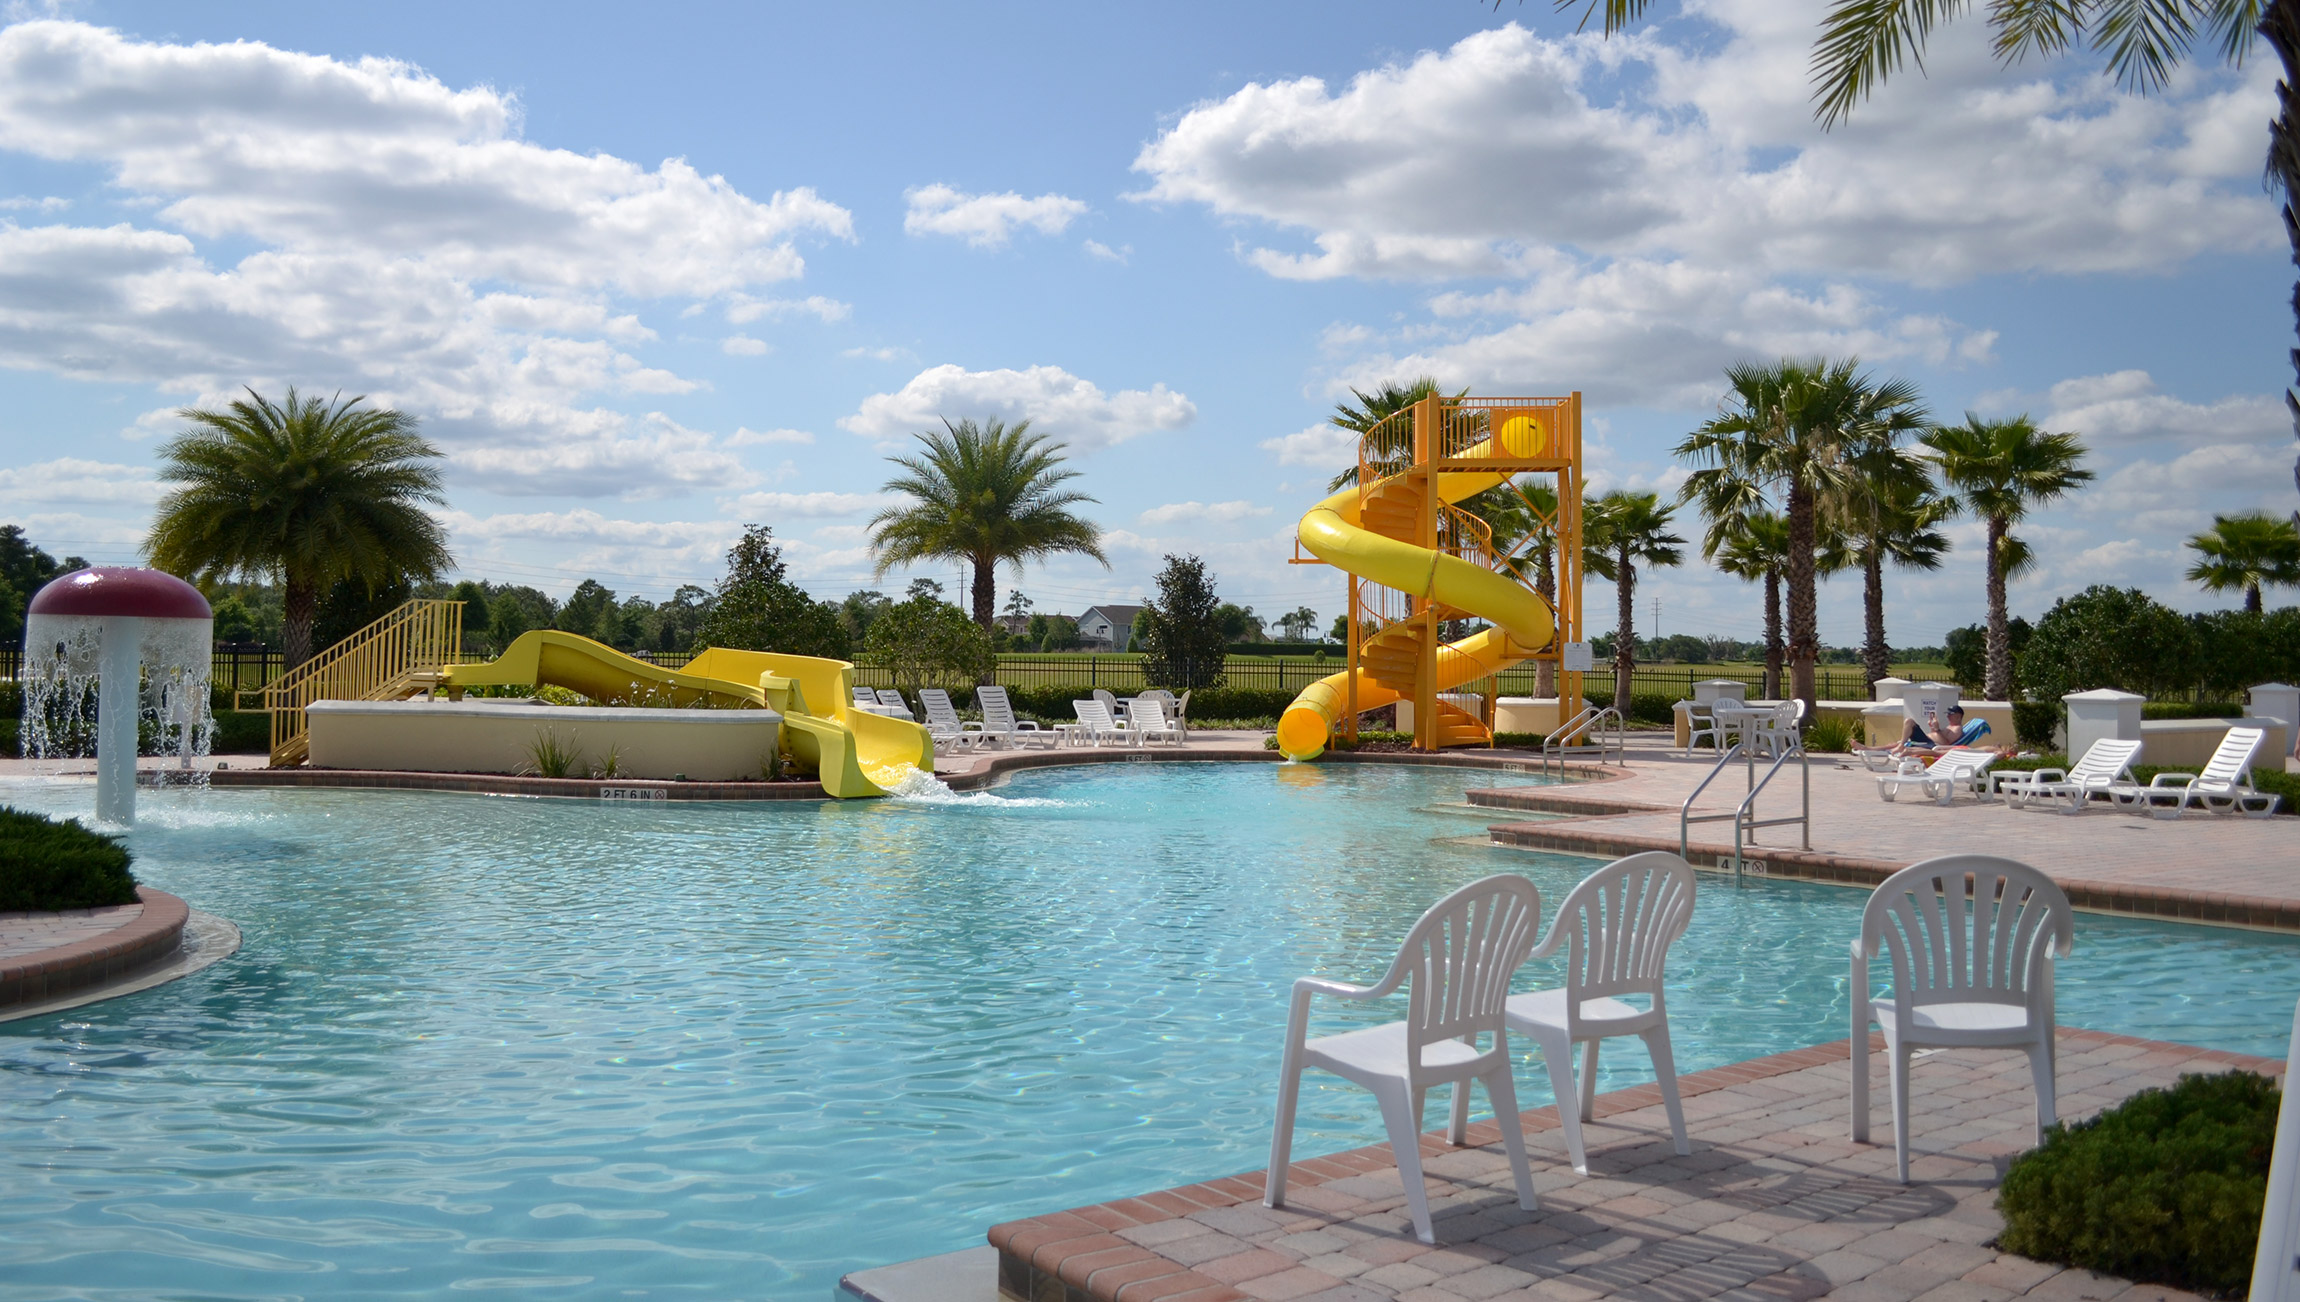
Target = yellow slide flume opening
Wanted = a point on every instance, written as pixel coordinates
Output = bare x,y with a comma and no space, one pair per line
1523,622
855,752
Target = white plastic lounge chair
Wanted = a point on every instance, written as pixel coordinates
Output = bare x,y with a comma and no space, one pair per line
943,724
1957,769
1972,939
1886,759
1095,727
892,700
1617,927
1457,960
2226,779
1147,721
1167,705
865,697
2106,763
999,724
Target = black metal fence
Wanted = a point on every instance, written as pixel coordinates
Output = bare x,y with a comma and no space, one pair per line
246,666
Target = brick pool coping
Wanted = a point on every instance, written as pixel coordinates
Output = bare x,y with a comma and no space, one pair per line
154,931
1213,1241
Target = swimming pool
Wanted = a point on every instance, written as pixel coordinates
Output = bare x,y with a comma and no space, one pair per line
578,1049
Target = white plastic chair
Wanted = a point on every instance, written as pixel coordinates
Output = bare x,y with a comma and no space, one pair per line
1111,703
892,700
1701,721
1972,939
865,697
1617,926
1095,727
1147,721
1457,961
998,721
2227,778
2106,763
1956,769
943,723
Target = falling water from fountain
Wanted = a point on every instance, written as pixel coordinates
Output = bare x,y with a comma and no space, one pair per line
116,663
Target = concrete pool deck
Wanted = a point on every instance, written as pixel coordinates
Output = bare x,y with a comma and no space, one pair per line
1775,1201
2217,869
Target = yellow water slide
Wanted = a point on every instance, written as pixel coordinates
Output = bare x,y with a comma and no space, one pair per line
856,752
1335,531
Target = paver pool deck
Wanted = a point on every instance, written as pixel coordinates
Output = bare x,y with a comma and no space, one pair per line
1774,1202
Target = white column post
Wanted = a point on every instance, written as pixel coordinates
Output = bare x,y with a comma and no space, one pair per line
2103,713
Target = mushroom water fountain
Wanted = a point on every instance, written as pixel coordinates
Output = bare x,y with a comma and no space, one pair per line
107,652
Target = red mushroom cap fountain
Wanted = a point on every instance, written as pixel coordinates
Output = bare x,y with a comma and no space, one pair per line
121,590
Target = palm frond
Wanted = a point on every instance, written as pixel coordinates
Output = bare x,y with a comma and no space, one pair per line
1863,42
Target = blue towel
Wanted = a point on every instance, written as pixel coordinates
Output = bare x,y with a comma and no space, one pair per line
1973,732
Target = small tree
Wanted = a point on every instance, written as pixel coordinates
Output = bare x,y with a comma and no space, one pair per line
760,609
587,608
1297,623
1186,647
1967,651
2108,637
927,642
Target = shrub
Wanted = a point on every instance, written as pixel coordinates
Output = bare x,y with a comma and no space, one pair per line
930,643
2108,637
1644,707
2189,710
2164,1188
549,757
1520,740
2034,722
242,732
46,865
1830,734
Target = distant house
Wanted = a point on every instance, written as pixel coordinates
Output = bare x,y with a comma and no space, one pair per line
1108,628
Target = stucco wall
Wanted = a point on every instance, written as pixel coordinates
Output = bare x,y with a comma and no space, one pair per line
497,737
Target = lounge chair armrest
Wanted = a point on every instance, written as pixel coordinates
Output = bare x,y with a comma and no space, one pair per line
2172,780
1328,986
1026,725
2040,775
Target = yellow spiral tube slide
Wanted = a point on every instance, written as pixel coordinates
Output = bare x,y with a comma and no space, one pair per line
1523,622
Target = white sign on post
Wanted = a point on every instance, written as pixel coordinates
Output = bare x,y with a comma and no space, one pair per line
1577,659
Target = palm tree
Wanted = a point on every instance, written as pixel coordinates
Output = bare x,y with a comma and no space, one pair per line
304,493
1893,516
2001,469
1618,531
983,495
1756,548
1862,42
1798,432
1394,449
2246,552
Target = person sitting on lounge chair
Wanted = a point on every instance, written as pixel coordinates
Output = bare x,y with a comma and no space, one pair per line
1915,743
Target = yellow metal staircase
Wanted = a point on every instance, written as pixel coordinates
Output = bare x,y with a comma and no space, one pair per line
398,656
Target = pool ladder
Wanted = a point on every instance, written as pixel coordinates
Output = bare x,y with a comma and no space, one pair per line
1585,734
1744,815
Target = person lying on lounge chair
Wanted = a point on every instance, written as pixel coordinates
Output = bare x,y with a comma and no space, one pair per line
1915,743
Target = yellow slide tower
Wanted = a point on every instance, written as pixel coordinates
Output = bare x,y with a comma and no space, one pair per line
1417,561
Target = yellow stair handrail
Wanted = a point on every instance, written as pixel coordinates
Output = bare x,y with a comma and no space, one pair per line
379,662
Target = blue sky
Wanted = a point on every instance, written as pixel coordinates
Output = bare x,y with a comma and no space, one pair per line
646,276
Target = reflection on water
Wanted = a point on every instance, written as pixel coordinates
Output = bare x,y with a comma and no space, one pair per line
711,1051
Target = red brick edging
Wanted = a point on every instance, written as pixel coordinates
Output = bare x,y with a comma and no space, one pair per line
155,933
1078,1253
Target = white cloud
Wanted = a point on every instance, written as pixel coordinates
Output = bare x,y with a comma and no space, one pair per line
1323,446
888,354
378,202
772,506
47,205
1211,513
744,346
985,221
2125,407
751,438
661,458
70,481
1103,251
743,309
1055,402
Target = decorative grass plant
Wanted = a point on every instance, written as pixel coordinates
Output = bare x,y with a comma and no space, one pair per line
2165,1188
47,865
1829,735
549,757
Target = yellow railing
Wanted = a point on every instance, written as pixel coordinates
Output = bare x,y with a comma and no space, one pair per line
393,657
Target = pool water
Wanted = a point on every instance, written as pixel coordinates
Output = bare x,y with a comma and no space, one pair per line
634,1050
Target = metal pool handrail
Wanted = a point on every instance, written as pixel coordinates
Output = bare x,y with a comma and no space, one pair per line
1589,723
1744,820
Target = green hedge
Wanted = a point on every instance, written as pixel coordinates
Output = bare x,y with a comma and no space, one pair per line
2164,1188
2190,710
46,865
242,732
2034,722
1644,707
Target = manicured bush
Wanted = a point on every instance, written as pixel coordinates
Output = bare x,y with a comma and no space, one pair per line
2035,721
2165,1188
242,732
1644,707
2190,710
46,865
1520,740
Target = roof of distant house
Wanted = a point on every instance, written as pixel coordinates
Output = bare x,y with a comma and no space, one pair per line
1119,616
